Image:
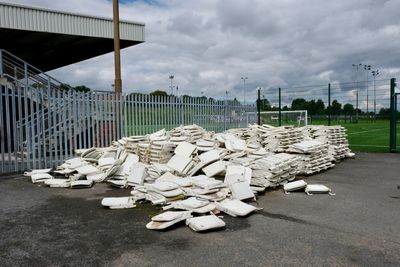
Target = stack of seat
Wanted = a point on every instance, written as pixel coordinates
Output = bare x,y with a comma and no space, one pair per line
314,155
274,170
334,136
160,151
278,139
132,142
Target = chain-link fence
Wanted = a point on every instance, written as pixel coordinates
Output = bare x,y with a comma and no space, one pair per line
363,107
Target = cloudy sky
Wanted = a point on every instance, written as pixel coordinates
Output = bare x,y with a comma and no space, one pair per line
210,44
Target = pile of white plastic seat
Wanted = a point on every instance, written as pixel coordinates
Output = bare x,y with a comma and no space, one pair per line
278,139
314,156
131,143
160,151
250,134
194,174
206,144
335,136
191,133
274,170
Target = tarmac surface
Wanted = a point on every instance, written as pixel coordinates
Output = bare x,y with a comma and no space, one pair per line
360,226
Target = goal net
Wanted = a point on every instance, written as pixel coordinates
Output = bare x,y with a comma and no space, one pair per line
288,117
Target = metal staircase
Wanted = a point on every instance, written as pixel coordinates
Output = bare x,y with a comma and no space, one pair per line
36,92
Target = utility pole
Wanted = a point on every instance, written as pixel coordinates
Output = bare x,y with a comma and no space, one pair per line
117,57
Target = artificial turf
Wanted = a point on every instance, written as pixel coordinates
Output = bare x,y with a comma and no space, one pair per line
364,136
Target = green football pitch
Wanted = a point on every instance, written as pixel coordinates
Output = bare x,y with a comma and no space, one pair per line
364,136
367,136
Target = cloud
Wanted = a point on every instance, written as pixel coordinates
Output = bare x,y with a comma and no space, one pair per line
208,45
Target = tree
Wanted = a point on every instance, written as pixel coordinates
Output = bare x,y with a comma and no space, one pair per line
348,109
159,93
79,88
212,100
186,97
65,86
385,113
319,107
299,104
336,107
312,107
137,94
204,98
265,104
82,88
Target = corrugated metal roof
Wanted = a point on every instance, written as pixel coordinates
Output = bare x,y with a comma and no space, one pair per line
21,17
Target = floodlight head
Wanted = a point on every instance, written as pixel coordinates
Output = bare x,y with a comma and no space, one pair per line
171,77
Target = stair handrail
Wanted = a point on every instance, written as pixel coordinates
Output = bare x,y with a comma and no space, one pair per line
28,70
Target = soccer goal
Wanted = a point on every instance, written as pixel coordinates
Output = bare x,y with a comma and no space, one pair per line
288,117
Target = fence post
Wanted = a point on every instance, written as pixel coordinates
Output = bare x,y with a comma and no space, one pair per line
258,107
393,111
329,104
280,107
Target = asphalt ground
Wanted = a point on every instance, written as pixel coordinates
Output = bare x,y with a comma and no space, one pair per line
359,226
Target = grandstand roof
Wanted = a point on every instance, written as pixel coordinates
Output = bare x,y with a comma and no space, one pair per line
50,39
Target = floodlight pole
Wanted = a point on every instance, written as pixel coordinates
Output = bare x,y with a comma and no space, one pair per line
171,77
367,68
357,67
117,57
244,88
375,73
